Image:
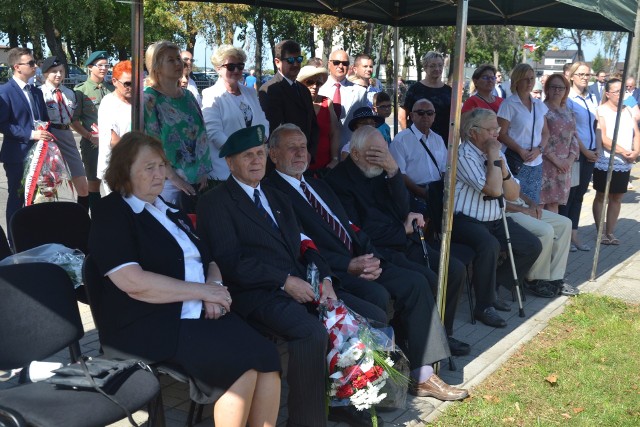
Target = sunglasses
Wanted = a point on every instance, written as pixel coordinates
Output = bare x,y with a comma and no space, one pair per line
293,59
310,83
31,63
558,88
335,63
383,107
488,78
125,84
423,112
232,67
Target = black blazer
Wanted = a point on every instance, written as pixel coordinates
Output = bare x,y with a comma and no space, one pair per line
15,120
255,259
314,226
133,328
378,205
281,103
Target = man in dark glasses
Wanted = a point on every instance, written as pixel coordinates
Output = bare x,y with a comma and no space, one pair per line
20,105
346,96
284,100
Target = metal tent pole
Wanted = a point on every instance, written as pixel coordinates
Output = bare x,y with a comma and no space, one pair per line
137,62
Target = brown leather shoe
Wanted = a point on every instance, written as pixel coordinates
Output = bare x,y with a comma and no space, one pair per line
435,387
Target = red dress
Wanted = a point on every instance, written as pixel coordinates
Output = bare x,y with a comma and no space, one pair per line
323,153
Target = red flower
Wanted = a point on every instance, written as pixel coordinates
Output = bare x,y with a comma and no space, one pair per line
352,371
344,391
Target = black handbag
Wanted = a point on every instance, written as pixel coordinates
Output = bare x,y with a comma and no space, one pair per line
101,375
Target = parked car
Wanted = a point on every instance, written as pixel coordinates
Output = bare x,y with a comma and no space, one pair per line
202,80
266,78
4,73
76,75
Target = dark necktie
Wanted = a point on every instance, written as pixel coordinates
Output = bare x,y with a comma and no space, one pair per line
337,228
262,210
337,101
32,103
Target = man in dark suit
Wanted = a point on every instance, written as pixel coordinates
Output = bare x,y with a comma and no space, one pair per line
597,87
22,105
372,190
357,263
284,100
253,235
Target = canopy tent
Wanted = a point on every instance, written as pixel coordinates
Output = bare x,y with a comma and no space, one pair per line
603,15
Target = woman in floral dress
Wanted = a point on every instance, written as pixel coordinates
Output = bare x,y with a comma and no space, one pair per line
562,149
172,115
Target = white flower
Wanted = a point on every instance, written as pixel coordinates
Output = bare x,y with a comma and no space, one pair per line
366,397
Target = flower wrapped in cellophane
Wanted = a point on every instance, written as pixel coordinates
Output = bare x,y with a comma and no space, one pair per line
365,367
45,170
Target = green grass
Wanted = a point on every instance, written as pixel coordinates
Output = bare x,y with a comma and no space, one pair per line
592,350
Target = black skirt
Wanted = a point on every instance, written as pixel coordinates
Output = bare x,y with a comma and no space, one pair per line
215,353
619,181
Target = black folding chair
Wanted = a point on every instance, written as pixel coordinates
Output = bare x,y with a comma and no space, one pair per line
5,250
66,223
39,316
93,283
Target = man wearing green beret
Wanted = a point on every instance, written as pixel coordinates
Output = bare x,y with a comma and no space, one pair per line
89,94
252,233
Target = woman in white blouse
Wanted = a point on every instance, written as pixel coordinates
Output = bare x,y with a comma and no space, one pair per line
228,105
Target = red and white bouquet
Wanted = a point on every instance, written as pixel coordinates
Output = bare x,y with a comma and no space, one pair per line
362,362
45,170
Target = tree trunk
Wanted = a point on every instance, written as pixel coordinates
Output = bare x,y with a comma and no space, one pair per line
312,41
258,27
326,44
52,37
634,59
368,40
13,38
496,59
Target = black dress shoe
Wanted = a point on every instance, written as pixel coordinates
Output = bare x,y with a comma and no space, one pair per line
351,416
490,318
458,348
501,305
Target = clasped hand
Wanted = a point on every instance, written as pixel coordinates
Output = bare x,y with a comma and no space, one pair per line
216,301
302,292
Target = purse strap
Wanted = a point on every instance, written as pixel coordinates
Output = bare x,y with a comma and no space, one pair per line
533,129
99,390
433,159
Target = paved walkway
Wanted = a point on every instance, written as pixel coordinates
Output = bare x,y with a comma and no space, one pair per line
618,276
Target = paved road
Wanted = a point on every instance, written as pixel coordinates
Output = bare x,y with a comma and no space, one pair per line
618,276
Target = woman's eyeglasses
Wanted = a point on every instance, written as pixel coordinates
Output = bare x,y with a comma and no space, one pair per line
232,67
293,59
309,83
583,75
558,88
125,84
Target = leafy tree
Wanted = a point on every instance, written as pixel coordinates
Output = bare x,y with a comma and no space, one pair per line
598,64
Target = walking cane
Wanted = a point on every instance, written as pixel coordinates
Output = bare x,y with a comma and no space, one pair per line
513,265
425,254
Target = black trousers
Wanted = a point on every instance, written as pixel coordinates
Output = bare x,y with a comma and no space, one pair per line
307,341
487,239
574,203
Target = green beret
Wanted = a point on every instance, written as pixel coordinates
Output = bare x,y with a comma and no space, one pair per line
95,56
242,140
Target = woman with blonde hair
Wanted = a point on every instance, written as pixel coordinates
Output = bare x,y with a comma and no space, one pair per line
583,104
229,105
626,153
562,148
524,131
172,115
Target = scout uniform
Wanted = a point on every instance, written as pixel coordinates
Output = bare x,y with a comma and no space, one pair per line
61,104
89,95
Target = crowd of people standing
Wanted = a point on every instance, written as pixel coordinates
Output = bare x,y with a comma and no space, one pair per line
332,188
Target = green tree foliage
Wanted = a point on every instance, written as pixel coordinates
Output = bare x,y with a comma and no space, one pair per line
598,64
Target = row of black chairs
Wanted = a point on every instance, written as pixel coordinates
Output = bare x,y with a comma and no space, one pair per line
30,289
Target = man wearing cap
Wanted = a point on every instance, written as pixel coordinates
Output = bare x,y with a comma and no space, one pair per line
346,96
362,269
284,100
253,235
363,116
20,105
61,103
89,94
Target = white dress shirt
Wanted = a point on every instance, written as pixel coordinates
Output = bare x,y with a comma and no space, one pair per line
414,161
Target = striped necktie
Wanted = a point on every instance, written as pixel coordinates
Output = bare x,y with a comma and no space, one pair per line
337,228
